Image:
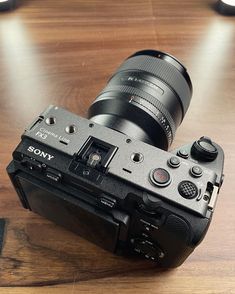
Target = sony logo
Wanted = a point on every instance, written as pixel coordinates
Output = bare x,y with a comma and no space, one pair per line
40,153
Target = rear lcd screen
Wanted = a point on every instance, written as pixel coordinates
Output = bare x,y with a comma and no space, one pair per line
70,213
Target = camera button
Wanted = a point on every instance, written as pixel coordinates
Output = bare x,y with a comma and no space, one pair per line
188,190
53,175
145,235
160,177
148,249
31,164
196,171
107,202
174,162
183,153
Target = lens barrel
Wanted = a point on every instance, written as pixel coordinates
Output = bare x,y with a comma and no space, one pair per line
146,98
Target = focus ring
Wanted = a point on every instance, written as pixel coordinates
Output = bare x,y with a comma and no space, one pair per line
164,71
145,96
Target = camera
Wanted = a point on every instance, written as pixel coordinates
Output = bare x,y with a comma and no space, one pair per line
7,4
110,178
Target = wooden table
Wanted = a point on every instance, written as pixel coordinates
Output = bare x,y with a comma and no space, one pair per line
62,52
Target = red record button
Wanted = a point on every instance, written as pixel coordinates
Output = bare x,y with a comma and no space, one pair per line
160,177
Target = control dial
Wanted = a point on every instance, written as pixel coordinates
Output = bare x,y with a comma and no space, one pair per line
204,150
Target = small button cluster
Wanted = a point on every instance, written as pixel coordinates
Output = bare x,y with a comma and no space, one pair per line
148,249
160,177
31,164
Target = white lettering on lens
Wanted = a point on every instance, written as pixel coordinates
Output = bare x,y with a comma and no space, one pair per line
40,153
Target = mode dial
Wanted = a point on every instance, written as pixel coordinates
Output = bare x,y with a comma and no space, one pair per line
204,150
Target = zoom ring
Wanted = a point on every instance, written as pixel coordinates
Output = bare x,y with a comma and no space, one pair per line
150,103
162,70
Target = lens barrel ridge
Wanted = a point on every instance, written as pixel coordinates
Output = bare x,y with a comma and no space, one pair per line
146,98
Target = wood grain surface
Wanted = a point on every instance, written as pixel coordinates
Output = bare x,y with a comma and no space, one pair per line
62,52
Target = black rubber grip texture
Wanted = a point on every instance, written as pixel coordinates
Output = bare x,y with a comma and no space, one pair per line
145,96
178,227
164,71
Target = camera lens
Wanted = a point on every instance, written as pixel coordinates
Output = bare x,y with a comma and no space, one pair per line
146,98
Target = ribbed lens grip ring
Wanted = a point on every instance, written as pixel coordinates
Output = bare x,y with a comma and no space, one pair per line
164,71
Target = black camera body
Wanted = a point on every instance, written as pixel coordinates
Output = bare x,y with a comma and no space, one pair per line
7,5
107,179
122,194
